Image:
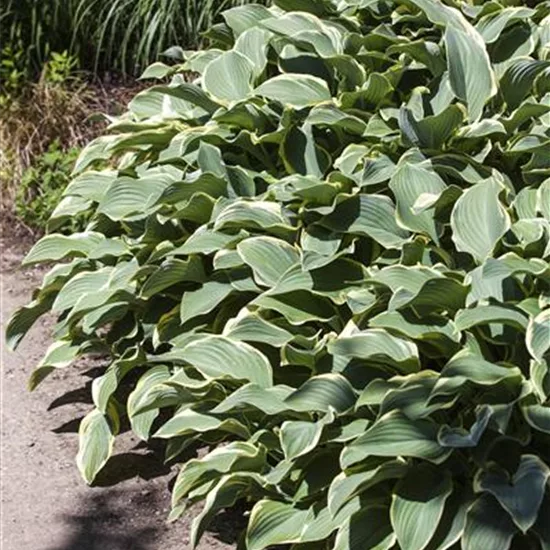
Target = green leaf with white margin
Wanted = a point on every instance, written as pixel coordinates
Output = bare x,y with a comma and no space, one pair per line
449,436
538,335
378,345
132,196
521,496
229,76
345,486
321,393
367,529
96,439
299,437
273,523
242,18
141,422
236,456
204,300
171,272
189,421
479,220
227,491
370,215
270,401
268,257
471,75
24,318
220,357
253,43
417,505
396,435
538,417
104,386
59,355
436,330
250,327
466,366
56,247
156,70
488,526
543,199
408,183
486,314
295,90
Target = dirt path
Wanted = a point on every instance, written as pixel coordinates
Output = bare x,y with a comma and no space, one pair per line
45,504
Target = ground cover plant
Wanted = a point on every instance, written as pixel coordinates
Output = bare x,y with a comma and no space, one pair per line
326,261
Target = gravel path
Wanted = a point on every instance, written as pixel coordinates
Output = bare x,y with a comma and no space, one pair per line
44,503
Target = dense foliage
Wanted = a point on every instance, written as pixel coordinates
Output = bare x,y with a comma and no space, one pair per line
327,260
104,35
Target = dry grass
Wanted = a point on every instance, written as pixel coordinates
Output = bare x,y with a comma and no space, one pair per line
46,112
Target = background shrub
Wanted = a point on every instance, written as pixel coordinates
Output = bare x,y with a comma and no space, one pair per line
326,260
105,36
43,183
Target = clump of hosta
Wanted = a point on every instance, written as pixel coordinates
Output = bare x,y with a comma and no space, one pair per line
327,259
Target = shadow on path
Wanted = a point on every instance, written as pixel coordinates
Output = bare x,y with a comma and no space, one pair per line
101,525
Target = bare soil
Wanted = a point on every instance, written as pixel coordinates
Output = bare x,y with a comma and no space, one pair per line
44,503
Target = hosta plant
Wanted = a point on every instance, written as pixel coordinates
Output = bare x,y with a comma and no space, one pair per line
325,261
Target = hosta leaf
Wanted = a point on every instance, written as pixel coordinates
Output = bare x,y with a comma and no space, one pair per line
322,392
204,300
378,345
96,439
23,319
220,357
252,43
268,257
538,335
127,196
233,457
171,272
408,183
224,495
346,486
189,421
274,523
141,422
295,90
432,131
270,401
480,315
522,495
367,529
488,526
490,26
57,247
395,435
252,328
59,355
242,18
470,73
538,416
460,437
418,505
479,220
370,215
104,386
300,437
229,76
519,78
